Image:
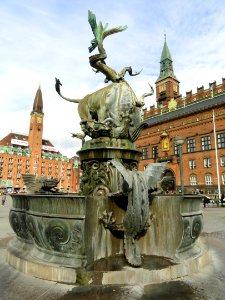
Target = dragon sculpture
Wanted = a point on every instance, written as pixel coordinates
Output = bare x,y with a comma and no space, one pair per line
114,110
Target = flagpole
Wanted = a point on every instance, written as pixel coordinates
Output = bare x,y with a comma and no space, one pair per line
217,163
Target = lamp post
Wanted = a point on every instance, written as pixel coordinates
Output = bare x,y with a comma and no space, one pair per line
179,141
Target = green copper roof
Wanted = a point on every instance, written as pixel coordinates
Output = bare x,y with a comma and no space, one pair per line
165,53
166,64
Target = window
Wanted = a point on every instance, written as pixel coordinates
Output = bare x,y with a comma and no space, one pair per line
192,164
191,145
206,143
176,149
193,180
144,153
207,162
223,179
222,161
208,179
154,151
221,140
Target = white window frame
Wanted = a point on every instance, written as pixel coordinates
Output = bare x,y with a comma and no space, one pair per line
208,179
145,153
223,179
193,179
207,162
192,163
222,161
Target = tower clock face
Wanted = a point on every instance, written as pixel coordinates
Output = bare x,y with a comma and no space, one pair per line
162,88
39,120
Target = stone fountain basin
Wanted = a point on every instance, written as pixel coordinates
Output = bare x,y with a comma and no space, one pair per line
54,236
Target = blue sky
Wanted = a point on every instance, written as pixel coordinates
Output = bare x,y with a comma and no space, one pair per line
44,39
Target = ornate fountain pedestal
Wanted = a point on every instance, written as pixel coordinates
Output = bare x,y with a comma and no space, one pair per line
62,238
71,238
50,235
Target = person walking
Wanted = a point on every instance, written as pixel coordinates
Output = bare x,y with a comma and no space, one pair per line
3,199
222,200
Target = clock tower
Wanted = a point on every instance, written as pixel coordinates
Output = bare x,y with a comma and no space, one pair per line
36,132
167,85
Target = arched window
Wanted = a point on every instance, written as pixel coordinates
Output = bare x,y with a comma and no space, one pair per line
193,179
208,179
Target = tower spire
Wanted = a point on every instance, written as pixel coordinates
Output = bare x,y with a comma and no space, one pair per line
38,102
166,63
36,130
167,85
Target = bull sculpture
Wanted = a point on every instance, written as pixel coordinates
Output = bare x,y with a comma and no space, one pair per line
114,110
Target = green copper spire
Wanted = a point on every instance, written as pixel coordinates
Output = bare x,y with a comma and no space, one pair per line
166,64
166,52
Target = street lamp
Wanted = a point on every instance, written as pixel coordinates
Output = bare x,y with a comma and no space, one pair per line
179,141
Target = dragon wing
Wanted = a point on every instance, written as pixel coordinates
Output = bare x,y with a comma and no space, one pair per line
153,173
123,171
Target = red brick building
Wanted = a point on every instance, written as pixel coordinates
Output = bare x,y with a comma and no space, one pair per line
203,153
31,154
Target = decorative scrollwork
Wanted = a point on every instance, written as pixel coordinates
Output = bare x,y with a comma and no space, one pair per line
196,228
95,173
192,227
18,223
34,230
57,233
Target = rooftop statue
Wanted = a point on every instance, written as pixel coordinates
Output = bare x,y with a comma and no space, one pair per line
114,110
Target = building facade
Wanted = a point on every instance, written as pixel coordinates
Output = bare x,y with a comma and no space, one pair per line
31,154
199,118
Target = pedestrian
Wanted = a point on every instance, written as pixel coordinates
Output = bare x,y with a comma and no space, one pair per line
3,199
222,200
